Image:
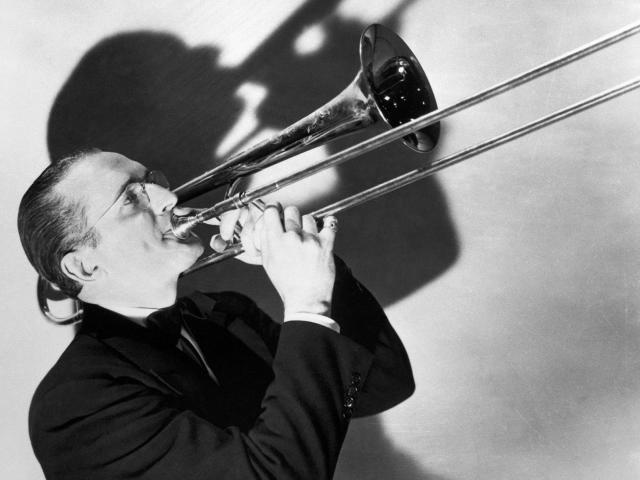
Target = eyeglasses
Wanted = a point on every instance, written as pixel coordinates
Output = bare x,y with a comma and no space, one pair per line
135,196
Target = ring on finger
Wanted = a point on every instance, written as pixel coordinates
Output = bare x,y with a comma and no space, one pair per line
330,222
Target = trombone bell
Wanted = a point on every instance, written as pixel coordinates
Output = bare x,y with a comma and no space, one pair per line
398,85
390,86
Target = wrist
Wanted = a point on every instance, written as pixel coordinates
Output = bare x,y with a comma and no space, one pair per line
317,308
321,320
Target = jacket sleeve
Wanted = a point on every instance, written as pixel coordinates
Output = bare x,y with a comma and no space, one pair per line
361,318
118,428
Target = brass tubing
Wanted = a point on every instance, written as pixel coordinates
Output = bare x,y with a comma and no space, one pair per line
437,115
444,162
440,164
244,198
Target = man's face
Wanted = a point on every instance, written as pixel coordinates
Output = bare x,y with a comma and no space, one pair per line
136,251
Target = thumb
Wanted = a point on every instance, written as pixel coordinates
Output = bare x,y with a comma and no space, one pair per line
218,243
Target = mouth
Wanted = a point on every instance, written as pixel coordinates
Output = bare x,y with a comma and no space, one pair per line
169,235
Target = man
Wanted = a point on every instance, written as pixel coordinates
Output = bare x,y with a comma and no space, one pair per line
206,386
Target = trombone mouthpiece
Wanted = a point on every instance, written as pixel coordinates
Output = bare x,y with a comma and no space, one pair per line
181,225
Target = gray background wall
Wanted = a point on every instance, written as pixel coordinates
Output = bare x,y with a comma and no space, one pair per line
513,278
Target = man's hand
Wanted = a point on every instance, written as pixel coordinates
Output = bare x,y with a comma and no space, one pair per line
247,221
297,258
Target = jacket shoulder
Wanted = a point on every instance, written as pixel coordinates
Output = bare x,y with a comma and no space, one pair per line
72,386
82,358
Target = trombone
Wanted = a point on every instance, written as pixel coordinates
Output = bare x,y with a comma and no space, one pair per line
390,87
183,224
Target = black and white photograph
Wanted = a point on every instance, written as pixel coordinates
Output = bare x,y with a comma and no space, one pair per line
320,239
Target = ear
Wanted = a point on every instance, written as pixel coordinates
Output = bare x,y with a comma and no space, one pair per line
79,266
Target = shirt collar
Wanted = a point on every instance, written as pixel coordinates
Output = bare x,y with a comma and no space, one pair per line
161,326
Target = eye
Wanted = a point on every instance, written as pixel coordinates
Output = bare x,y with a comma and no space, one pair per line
131,195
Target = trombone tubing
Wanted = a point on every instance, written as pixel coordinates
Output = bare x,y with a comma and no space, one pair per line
457,157
244,198
442,163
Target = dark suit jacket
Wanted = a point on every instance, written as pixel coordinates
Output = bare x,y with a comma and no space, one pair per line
124,402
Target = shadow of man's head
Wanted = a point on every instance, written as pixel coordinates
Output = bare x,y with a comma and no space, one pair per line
147,96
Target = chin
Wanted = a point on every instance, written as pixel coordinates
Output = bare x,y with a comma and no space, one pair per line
191,255
182,253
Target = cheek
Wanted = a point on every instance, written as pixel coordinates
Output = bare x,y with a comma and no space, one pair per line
123,248
136,246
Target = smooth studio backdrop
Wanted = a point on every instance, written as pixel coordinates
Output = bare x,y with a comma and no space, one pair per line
514,278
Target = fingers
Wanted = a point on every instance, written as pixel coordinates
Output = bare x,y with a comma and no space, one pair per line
250,236
272,219
264,226
292,221
241,225
309,225
228,222
328,233
272,228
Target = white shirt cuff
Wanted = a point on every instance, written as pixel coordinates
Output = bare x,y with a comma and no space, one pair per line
313,318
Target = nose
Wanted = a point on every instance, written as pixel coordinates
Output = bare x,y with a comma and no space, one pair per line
161,200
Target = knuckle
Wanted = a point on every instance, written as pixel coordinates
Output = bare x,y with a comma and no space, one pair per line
271,211
312,239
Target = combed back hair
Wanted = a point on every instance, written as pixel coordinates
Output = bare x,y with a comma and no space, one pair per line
50,225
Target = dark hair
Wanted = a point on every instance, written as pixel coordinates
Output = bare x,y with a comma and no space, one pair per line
50,225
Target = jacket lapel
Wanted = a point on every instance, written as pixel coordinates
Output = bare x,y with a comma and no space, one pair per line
155,361
234,351
243,374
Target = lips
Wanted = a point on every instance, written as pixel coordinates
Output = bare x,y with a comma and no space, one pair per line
169,235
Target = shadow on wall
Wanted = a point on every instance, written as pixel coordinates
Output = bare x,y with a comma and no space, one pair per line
150,97
368,454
